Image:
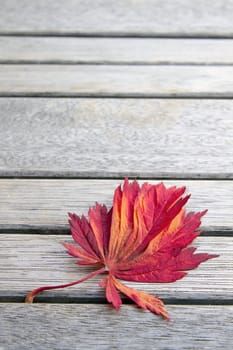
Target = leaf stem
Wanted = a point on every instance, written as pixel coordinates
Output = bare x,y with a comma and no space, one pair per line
29,298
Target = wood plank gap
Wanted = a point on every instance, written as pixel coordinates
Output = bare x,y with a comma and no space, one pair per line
209,98
76,175
19,297
198,96
109,63
180,35
7,297
61,230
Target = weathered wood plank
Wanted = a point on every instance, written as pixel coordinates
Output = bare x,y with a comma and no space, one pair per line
116,137
30,261
45,203
115,51
100,80
100,327
151,17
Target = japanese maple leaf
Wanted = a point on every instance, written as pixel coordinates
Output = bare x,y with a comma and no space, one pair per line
142,238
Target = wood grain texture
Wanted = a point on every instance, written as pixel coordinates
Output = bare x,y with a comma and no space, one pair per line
44,203
115,50
184,132
100,80
143,18
100,327
30,261
116,137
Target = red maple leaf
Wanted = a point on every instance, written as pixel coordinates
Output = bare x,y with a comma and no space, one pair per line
142,238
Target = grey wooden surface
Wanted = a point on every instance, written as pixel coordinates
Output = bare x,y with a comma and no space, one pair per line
106,137
118,51
134,81
52,266
124,17
90,92
44,203
194,327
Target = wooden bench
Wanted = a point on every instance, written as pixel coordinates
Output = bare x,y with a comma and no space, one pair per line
91,92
